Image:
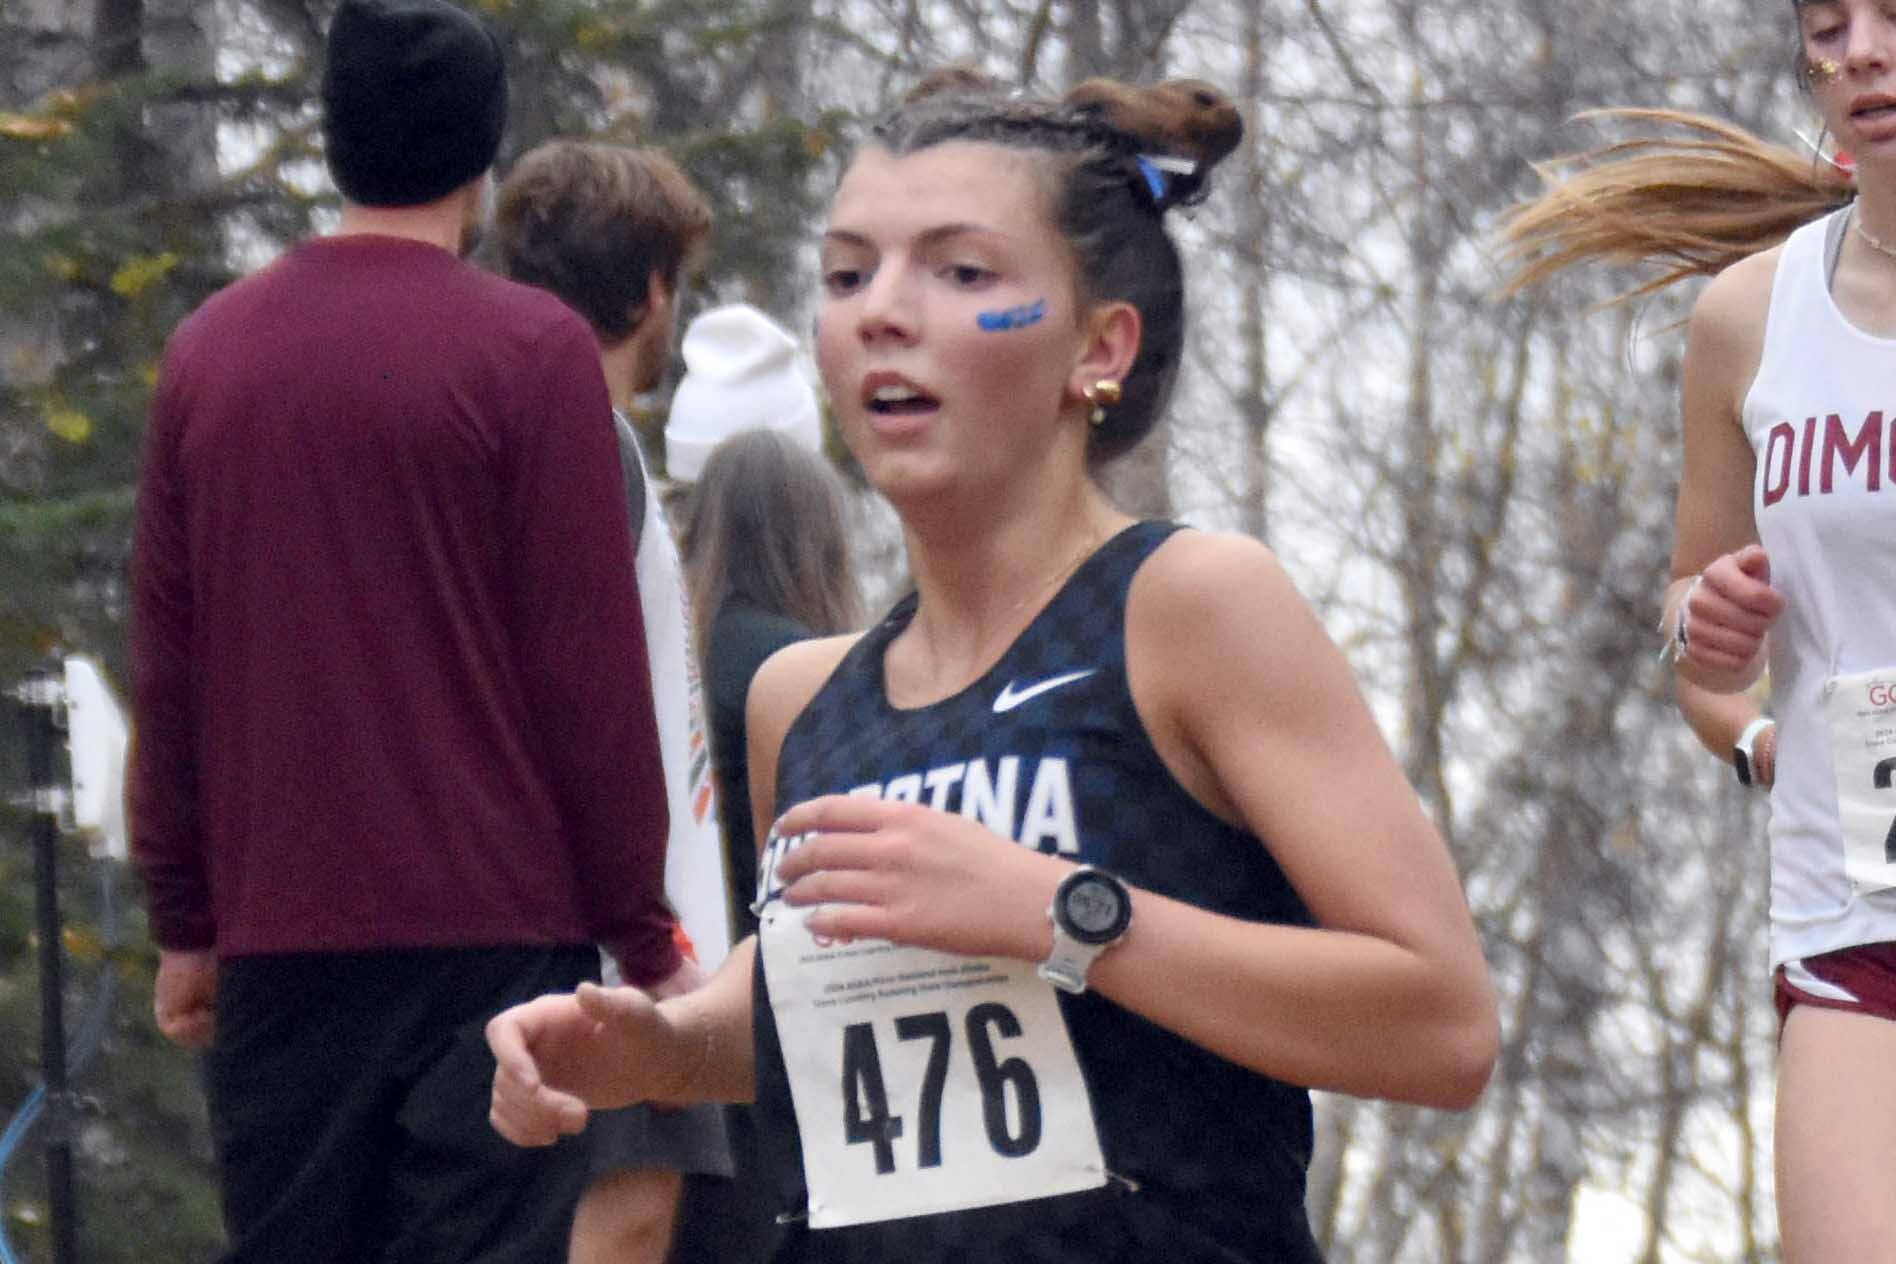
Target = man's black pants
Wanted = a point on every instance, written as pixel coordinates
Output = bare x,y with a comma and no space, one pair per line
349,1096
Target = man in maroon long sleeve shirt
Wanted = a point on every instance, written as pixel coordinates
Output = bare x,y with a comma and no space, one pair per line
396,764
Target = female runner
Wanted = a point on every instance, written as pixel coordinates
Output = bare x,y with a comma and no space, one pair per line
1784,527
1085,863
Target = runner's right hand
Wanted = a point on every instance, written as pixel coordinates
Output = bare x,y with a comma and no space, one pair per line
1729,613
559,1057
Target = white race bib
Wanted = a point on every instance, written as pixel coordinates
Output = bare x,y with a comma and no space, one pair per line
923,1082
1861,711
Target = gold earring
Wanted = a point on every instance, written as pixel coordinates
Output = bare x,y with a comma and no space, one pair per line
1101,395
1823,70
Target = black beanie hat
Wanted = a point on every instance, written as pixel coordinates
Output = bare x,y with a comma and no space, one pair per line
414,100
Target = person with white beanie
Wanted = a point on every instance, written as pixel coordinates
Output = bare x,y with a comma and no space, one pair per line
741,373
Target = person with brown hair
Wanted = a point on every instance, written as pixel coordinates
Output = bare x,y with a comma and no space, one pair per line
1088,857
611,230
1784,520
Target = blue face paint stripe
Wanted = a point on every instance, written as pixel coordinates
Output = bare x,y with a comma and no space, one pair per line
1014,317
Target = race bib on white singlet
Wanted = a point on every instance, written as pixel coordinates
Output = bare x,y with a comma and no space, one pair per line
923,1082
1861,711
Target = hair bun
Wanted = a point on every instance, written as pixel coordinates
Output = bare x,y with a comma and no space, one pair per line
957,80
1180,118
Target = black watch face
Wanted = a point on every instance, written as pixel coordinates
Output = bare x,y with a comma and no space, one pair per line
1095,909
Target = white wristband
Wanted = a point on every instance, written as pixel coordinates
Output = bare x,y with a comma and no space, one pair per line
1743,757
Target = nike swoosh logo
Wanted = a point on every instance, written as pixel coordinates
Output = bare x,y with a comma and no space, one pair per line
1011,697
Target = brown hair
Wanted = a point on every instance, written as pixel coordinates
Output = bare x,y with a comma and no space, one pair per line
1108,198
592,222
1695,204
956,80
766,526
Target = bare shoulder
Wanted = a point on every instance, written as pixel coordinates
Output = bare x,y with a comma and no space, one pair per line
790,677
779,691
1723,350
1751,276
1198,581
1211,613
1730,312
1236,679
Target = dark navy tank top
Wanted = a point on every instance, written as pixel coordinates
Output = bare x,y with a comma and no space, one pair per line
1208,1159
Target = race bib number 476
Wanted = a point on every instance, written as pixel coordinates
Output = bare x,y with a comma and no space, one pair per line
924,1082
1861,711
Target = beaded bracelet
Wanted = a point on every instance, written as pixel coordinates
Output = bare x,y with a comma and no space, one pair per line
1677,643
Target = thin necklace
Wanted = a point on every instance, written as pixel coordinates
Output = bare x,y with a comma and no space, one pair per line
1052,580
1086,550
1875,243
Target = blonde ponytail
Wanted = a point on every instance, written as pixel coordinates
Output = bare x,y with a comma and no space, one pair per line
1694,205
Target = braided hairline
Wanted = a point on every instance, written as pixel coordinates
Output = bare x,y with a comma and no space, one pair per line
1024,124
1050,127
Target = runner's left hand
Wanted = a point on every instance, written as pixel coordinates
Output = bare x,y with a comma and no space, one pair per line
917,876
